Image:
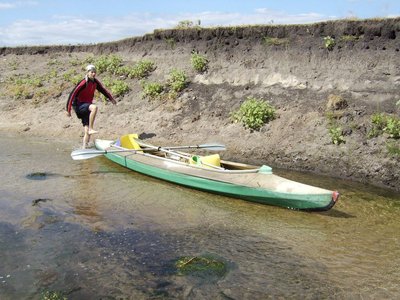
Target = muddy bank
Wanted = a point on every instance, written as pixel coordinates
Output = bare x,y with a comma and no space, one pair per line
296,73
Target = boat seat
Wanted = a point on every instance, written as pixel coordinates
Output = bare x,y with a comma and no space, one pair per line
206,161
128,141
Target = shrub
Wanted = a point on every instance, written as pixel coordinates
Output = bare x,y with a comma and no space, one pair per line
72,76
199,62
141,69
392,127
254,113
185,24
151,89
108,63
177,80
382,123
335,131
117,87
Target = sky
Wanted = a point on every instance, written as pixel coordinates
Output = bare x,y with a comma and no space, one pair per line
73,22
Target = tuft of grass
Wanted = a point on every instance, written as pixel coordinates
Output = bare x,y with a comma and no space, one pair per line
274,41
393,149
349,38
170,42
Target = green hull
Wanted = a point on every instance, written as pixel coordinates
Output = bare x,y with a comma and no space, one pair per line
301,201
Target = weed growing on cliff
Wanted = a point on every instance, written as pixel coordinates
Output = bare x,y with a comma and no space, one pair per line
170,42
349,38
21,92
54,62
151,89
273,41
382,123
33,81
108,63
72,76
199,62
393,149
378,123
329,42
14,64
142,69
117,87
254,113
392,127
336,135
335,131
177,80
23,87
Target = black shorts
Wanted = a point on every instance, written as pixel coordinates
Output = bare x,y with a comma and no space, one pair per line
82,112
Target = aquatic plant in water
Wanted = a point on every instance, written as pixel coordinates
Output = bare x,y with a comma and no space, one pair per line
200,265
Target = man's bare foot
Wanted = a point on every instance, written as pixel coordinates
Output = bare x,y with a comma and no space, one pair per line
92,131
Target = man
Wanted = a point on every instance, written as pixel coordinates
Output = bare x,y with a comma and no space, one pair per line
81,99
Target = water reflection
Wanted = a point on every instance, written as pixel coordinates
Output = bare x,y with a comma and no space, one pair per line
104,232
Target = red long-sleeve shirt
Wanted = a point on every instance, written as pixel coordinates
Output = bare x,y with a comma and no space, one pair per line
84,92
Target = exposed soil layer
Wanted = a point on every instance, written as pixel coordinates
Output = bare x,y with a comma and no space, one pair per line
297,74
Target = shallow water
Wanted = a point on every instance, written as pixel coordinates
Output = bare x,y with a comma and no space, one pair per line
94,230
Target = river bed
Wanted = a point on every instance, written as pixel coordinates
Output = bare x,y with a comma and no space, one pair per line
93,230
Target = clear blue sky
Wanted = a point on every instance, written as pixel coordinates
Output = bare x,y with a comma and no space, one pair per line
55,22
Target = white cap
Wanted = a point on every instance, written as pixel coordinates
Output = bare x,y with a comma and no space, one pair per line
90,68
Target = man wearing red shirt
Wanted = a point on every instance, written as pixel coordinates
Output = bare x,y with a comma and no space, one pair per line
81,99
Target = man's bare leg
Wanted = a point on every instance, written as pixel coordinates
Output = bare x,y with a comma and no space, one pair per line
86,137
92,117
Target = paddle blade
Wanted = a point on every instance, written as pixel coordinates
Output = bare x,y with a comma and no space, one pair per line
85,154
212,147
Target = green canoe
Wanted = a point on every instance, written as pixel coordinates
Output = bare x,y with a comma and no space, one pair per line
211,174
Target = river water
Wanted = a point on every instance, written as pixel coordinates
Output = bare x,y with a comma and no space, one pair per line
94,230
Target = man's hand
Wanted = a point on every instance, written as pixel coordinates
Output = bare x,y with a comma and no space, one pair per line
113,101
68,113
